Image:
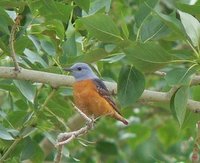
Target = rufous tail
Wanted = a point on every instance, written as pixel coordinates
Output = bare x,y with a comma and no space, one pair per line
120,118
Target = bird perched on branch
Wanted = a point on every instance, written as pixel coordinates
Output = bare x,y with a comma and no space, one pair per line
91,95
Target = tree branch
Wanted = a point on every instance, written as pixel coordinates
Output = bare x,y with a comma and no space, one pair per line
11,42
56,80
66,137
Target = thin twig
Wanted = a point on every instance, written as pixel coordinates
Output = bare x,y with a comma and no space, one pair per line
195,154
11,42
65,138
48,98
81,113
172,91
59,154
10,149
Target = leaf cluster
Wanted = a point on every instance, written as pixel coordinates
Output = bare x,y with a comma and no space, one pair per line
128,41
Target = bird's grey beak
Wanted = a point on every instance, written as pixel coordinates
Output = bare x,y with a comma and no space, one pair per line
67,69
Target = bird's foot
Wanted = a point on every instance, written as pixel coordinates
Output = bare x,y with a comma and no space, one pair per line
90,123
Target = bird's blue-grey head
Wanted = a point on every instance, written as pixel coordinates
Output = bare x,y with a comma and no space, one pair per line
81,71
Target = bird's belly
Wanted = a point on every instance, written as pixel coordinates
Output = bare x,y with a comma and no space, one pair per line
91,103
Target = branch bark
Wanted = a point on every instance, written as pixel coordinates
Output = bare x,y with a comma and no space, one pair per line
11,42
56,80
64,138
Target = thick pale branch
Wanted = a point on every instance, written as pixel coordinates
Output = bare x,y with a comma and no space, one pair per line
56,80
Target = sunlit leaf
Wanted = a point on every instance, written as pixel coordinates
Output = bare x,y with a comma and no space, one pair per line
33,57
4,134
26,88
191,26
48,47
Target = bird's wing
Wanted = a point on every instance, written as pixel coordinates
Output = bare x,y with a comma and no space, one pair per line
103,91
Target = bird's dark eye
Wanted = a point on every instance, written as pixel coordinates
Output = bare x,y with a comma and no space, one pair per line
79,68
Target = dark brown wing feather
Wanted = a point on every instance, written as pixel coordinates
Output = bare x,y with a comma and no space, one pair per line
103,91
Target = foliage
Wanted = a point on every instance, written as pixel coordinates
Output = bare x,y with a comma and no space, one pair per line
128,40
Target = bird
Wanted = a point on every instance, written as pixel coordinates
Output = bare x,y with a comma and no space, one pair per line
91,95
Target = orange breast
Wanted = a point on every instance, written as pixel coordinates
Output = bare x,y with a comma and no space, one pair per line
88,100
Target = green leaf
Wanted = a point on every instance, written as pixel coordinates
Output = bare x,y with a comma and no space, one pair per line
131,84
192,9
4,47
84,4
51,9
57,26
191,26
173,23
16,118
4,134
144,11
153,28
92,56
179,76
107,147
8,87
22,43
5,21
99,6
190,120
48,47
33,57
58,106
32,151
102,27
69,46
13,4
124,26
147,57
26,88
179,103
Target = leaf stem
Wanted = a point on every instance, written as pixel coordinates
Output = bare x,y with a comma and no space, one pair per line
48,98
139,29
24,127
195,51
178,61
16,141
